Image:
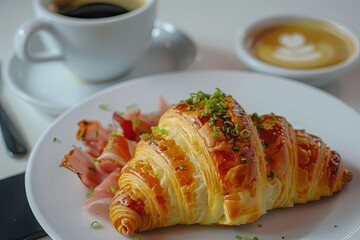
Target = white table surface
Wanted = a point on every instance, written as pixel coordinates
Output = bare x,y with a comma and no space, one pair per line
210,23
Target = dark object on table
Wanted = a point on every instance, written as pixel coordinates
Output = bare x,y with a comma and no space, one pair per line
17,220
13,140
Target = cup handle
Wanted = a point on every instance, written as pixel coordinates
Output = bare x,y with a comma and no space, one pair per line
22,39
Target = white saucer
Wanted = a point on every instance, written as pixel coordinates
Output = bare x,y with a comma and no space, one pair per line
51,88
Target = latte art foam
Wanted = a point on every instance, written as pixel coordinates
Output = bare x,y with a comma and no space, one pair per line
294,48
305,44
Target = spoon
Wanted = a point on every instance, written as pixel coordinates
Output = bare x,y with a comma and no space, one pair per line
13,140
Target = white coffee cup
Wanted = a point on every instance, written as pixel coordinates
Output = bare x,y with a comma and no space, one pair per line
95,50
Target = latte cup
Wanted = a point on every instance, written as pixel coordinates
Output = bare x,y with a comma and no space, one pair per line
93,49
311,49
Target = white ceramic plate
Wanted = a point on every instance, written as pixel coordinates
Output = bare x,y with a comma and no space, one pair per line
56,195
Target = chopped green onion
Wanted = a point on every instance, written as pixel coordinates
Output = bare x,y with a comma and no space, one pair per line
235,148
158,130
181,167
187,100
155,129
104,106
136,238
112,188
109,145
234,132
136,122
237,127
256,117
215,135
272,121
226,130
90,194
163,131
95,225
56,140
243,160
228,123
215,107
213,120
245,133
144,135
264,143
95,160
260,126
116,133
81,136
246,238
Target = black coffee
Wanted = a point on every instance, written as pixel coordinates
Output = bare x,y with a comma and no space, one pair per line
95,10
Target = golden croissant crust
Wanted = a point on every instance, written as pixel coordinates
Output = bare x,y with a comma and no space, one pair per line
209,162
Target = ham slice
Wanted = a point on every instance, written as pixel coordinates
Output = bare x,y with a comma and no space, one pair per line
133,123
104,191
116,153
107,150
93,135
80,162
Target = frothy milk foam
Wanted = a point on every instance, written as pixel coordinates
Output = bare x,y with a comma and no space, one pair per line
303,44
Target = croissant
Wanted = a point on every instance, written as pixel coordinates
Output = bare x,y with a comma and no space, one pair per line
209,162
